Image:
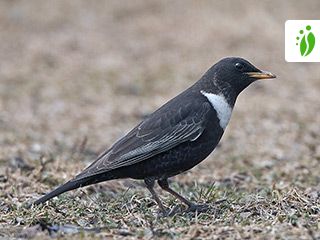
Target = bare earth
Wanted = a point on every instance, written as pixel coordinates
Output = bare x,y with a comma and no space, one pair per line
77,75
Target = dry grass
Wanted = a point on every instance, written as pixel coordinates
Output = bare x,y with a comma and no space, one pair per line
76,75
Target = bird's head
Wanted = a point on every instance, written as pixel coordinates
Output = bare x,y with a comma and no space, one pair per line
237,73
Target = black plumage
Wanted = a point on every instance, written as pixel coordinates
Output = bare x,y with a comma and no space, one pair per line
177,136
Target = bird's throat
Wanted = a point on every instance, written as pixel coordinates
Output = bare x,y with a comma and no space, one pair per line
221,106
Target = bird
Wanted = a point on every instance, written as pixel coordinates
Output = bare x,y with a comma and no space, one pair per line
174,138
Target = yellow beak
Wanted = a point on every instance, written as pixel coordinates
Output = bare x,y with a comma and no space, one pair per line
261,75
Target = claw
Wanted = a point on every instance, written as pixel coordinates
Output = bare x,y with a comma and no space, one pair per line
198,208
168,212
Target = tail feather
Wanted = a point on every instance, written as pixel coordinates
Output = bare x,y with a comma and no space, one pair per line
73,184
61,189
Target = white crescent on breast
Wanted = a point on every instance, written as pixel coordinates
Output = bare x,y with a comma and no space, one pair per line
221,106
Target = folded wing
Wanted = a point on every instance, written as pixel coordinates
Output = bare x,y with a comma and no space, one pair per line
156,134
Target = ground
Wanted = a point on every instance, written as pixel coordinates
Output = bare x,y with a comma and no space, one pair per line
77,75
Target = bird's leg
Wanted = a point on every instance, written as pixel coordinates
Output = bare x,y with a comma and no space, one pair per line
150,184
163,183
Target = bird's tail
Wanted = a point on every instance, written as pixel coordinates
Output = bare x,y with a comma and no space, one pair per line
70,185
73,184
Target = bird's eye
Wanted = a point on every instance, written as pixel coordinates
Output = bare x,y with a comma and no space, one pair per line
239,66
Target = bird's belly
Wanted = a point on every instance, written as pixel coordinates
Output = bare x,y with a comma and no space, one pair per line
178,159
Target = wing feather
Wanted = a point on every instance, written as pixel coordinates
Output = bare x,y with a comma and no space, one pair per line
153,136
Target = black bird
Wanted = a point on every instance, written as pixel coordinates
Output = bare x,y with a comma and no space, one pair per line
177,136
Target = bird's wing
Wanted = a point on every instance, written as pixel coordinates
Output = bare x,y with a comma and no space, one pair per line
156,134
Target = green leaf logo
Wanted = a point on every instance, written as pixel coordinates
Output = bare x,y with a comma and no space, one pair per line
307,41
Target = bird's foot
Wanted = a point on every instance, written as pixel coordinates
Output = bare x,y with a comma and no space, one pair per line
169,212
198,208
177,209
